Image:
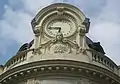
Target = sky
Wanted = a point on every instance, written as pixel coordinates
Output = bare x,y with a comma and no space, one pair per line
16,15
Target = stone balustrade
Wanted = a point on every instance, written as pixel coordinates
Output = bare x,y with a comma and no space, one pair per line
20,57
103,60
96,57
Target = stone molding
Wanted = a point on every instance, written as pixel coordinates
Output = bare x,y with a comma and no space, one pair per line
21,58
59,67
59,6
16,60
59,10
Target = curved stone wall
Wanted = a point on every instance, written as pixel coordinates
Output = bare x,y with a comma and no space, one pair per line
60,80
92,57
53,70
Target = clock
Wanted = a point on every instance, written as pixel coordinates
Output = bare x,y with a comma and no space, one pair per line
66,27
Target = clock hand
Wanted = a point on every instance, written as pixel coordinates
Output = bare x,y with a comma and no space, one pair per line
56,28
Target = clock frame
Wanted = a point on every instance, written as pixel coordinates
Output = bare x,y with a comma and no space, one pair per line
65,25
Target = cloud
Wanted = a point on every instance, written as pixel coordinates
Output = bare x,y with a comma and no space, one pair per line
105,23
91,8
17,17
33,6
15,23
106,28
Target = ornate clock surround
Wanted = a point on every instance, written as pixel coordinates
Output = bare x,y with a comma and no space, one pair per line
74,38
64,17
57,11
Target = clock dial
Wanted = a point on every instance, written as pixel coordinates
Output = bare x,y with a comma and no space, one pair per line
63,26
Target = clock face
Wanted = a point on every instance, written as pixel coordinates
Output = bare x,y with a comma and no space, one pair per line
64,26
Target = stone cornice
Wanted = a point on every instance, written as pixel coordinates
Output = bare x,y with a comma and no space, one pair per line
58,9
21,57
53,6
61,67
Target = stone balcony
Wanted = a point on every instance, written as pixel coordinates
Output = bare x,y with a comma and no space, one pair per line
101,60
95,58
17,59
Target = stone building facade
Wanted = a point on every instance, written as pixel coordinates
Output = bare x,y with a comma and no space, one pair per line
60,53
